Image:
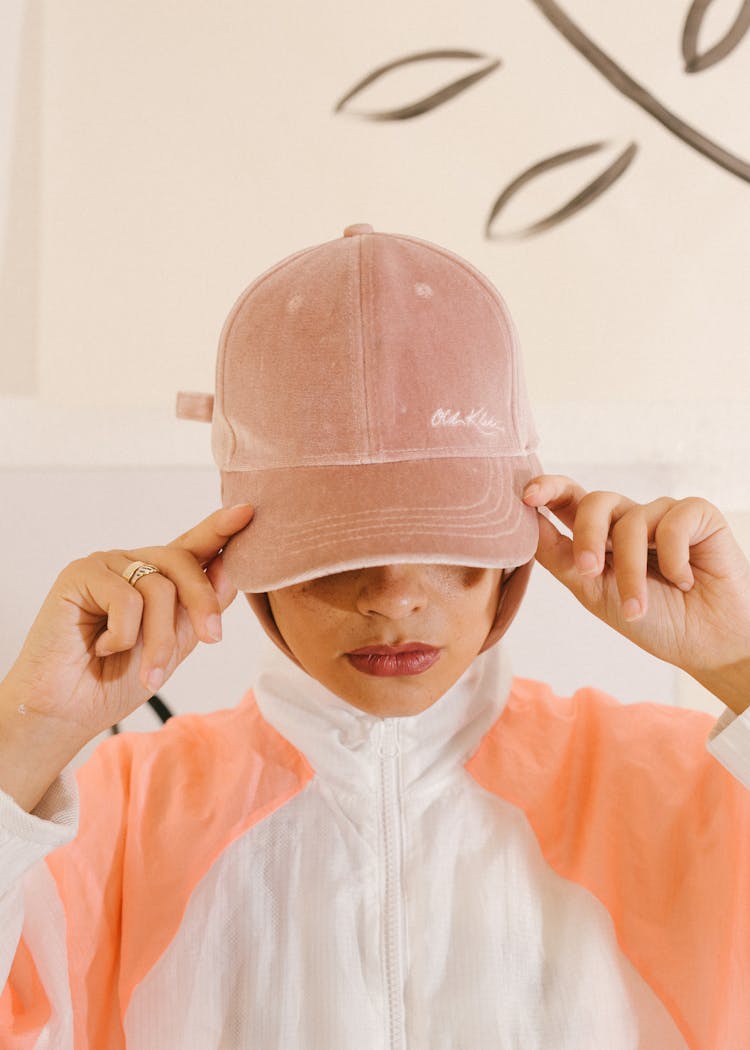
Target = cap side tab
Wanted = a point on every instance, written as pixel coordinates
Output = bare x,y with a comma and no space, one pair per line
195,406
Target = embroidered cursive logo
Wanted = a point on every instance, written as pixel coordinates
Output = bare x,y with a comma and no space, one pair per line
477,417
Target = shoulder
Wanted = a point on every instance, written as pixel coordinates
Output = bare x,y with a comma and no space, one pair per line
591,714
192,755
587,769
591,736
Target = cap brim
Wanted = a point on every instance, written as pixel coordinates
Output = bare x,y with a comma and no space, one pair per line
313,521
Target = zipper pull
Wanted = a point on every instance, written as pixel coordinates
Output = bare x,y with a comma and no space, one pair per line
389,739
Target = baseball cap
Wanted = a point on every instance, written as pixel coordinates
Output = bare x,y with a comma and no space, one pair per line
370,402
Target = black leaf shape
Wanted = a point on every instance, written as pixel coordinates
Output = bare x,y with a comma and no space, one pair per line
694,61
638,93
588,194
422,105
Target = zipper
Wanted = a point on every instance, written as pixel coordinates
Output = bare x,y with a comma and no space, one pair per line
390,794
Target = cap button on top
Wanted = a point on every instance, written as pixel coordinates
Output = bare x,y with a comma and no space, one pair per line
358,227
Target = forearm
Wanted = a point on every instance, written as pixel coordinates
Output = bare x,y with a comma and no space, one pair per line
32,751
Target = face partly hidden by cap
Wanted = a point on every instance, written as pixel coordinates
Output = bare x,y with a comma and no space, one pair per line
389,639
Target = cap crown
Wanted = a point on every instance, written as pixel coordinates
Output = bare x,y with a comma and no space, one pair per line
370,348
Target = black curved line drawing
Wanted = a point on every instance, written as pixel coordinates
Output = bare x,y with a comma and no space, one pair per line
637,93
423,105
585,196
695,62
615,75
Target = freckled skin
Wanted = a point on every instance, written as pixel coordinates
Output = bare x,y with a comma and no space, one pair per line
452,607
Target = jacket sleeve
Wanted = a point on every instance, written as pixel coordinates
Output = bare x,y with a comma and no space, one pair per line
32,925
60,907
729,743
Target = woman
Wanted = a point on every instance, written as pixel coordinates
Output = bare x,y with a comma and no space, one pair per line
390,840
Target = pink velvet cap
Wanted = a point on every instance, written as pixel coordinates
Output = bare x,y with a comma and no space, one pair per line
371,404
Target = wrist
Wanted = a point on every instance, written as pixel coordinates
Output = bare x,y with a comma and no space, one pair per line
33,751
730,684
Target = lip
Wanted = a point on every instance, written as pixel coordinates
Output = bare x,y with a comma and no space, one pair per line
393,661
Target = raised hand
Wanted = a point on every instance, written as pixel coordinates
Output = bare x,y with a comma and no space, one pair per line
677,560
86,661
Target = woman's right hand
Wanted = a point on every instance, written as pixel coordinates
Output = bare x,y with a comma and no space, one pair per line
63,672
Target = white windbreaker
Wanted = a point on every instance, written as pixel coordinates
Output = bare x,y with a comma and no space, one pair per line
507,870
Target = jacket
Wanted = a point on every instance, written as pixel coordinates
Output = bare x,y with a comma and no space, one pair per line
508,869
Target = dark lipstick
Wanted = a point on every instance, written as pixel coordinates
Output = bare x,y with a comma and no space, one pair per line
388,661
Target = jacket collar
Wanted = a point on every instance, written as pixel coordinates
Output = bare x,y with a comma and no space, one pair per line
345,745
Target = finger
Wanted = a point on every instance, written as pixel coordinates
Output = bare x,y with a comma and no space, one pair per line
216,573
673,551
593,531
555,553
592,534
122,603
588,515
687,523
194,590
633,539
629,558
559,493
563,496
594,518
208,537
158,627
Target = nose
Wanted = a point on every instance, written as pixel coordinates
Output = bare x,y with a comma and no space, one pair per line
391,591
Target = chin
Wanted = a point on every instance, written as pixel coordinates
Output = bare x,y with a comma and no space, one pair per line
389,697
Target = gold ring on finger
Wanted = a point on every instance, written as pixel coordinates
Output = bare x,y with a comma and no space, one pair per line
136,569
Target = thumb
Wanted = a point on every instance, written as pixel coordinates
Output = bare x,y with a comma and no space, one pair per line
226,592
555,553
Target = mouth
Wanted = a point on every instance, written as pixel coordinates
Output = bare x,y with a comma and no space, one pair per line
391,661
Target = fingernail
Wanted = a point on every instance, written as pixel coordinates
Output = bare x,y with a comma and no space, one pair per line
238,505
685,585
587,562
532,490
213,626
631,609
154,678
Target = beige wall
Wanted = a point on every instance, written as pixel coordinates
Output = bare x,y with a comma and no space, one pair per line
20,196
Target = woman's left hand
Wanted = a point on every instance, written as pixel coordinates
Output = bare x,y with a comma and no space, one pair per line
646,552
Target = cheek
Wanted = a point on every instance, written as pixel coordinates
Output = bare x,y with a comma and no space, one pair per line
472,577
466,578
476,586
476,603
302,617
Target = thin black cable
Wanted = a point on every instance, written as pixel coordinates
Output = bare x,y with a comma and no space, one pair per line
158,705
